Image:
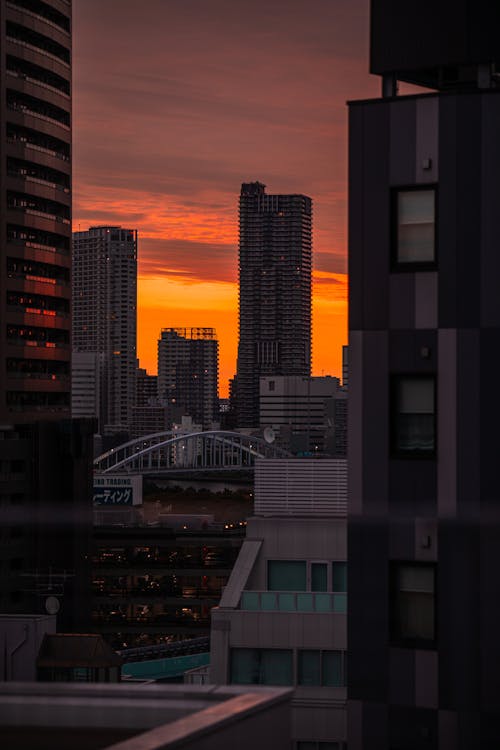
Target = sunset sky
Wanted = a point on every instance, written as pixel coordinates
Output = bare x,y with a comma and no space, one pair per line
176,103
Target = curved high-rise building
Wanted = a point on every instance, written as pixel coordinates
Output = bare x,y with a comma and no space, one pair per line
35,215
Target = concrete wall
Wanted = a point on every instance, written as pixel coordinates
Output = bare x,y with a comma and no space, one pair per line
20,640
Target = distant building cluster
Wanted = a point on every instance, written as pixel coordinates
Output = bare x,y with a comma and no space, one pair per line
273,391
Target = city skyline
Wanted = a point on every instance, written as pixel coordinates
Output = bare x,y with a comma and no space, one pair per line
206,101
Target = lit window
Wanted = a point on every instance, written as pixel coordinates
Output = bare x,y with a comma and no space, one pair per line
414,415
415,226
412,605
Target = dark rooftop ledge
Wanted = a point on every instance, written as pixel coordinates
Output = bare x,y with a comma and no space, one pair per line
158,717
426,93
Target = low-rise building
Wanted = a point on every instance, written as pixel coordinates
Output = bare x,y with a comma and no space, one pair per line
282,616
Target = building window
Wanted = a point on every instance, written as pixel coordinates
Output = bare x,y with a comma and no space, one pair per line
415,226
299,575
287,575
412,604
414,415
320,668
339,577
319,576
253,666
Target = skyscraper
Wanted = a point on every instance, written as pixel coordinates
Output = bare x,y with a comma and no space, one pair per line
35,216
188,373
274,291
45,458
105,316
424,368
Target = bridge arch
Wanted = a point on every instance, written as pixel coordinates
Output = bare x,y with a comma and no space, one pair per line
168,452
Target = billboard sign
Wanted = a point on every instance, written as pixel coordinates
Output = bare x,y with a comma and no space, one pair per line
117,489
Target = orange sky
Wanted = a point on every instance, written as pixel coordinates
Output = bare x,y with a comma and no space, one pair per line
175,108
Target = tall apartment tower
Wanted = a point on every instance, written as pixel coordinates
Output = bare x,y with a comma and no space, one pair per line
35,216
188,373
275,292
45,458
424,401
105,316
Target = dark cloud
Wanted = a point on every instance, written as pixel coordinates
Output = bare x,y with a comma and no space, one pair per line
177,103
210,261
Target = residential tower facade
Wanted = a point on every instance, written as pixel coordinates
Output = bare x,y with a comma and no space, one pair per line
188,374
35,216
105,316
275,258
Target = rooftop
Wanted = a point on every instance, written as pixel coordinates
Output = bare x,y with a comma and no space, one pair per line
34,716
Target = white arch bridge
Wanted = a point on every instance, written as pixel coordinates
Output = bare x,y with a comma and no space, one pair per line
169,452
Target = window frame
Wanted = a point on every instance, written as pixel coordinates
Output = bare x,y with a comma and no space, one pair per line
395,451
321,652
395,636
294,655
260,665
328,563
403,266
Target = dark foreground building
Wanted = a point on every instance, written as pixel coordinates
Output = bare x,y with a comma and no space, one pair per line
275,292
424,497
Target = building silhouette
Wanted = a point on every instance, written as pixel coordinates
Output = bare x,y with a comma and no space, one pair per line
148,415
105,318
424,367
45,457
35,228
274,292
188,374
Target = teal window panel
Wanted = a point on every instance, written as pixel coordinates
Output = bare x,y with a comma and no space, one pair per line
250,600
276,667
252,666
319,577
308,668
331,669
339,576
323,602
340,603
286,575
305,603
286,602
245,666
268,601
